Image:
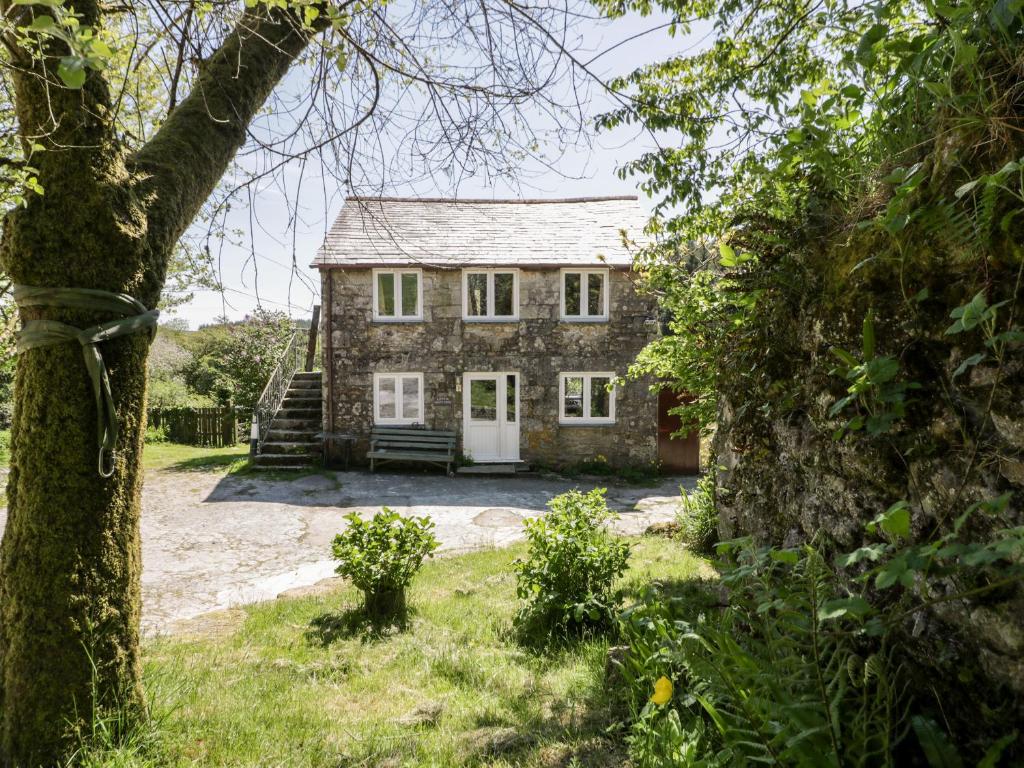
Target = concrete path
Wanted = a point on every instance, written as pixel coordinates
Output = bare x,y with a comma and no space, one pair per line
211,541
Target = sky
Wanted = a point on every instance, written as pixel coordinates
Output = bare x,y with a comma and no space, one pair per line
256,269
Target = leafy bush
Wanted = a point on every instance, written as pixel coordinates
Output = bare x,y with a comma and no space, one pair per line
157,435
172,393
804,666
599,466
382,555
232,361
776,677
567,574
698,518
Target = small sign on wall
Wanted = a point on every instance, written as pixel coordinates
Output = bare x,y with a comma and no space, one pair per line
442,400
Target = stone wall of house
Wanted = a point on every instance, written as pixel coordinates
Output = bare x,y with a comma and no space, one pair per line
539,346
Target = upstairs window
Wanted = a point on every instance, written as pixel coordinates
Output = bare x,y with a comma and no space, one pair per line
398,295
490,294
398,398
586,398
585,294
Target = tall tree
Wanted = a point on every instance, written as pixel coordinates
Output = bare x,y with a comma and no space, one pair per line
116,198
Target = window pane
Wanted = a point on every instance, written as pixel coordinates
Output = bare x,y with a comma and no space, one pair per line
410,293
386,397
483,399
510,398
503,283
411,397
600,398
476,294
595,294
573,396
386,295
572,293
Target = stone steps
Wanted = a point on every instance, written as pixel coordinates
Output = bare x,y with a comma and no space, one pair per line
285,435
293,441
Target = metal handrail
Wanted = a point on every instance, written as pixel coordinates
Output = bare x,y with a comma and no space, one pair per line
292,360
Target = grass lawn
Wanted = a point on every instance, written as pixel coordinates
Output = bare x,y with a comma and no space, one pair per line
184,457
292,686
168,455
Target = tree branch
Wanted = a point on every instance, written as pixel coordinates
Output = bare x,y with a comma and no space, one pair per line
181,165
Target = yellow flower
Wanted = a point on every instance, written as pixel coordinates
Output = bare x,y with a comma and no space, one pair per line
662,691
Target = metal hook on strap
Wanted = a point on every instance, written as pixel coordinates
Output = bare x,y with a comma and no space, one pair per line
107,470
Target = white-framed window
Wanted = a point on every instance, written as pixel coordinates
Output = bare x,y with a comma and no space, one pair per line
397,295
584,295
490,295
398,398
586,398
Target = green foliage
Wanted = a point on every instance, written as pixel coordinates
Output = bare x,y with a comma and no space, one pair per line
169,357
799,669
813,98
703,307
859,153
382,555
776,677
638,474
567,575
698,517
232,362
174,393
879,398
979,315
156,435
924,569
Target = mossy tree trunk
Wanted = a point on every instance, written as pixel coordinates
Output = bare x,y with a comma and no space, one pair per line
70,557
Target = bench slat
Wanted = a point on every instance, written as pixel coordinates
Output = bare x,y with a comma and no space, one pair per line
408,438
412,455
391,445
415,438
412,431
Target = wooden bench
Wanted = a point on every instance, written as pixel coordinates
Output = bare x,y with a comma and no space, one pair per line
432,446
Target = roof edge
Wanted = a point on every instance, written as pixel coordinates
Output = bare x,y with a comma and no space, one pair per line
490,201
329,265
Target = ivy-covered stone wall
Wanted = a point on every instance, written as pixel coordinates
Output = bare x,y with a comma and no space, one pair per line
948,430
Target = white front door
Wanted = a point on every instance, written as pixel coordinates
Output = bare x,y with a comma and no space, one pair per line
490,416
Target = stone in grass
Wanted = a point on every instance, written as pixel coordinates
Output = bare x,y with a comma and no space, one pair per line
613,665
495,740
668,529
427,713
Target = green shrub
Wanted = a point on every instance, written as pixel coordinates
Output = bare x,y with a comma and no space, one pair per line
567,575
157,435
698,517
805,664
599,466
776,677
382,555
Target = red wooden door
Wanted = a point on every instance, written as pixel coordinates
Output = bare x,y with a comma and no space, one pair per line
676,454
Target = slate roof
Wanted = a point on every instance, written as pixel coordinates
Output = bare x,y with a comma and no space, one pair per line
392,231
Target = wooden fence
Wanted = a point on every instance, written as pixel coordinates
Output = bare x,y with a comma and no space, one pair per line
215,427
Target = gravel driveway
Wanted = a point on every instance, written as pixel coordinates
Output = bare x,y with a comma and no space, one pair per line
210,541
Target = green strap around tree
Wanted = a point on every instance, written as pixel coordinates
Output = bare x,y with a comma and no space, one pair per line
43,333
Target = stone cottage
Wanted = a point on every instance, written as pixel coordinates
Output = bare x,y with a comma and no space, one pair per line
507,321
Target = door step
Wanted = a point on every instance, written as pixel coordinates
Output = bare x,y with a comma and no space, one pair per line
494,469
